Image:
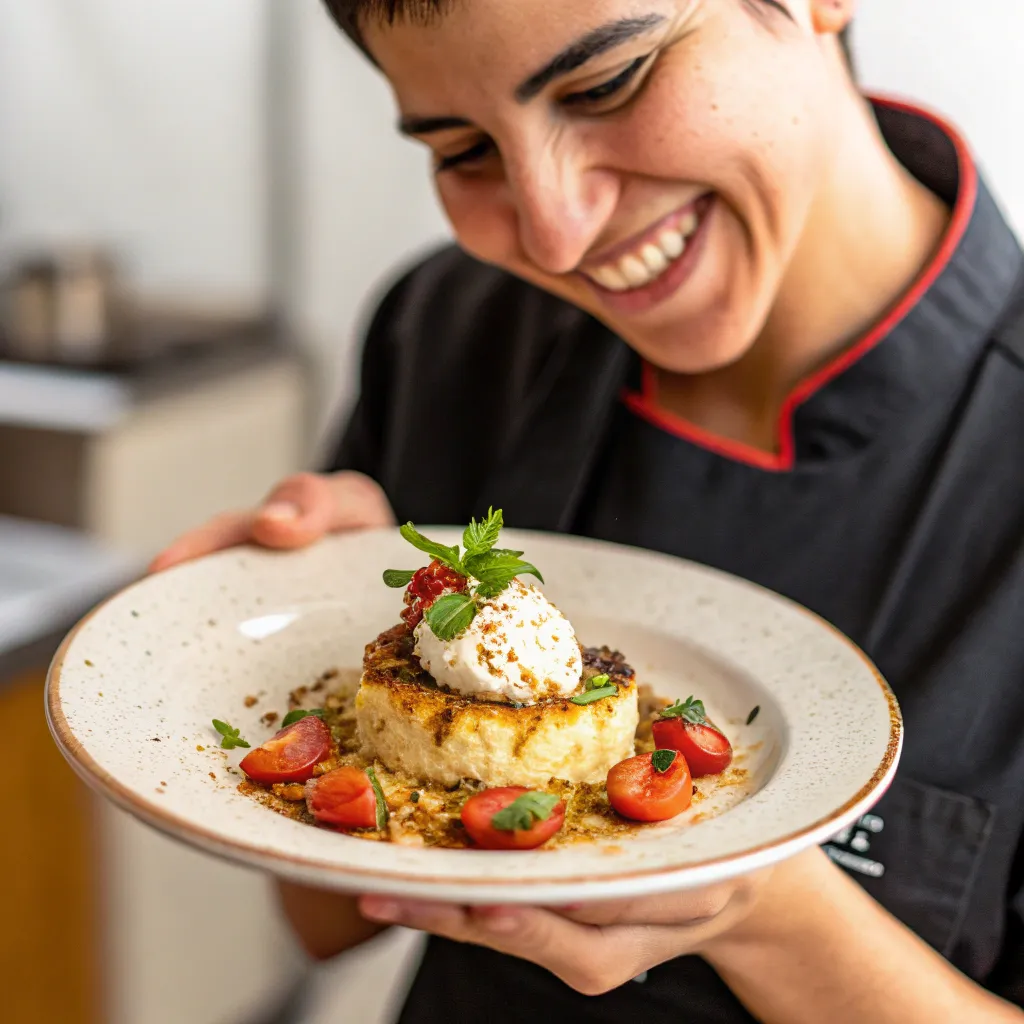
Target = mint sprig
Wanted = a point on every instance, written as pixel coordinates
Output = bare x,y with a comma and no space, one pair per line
493,569
451,615
479,538
524,811
229,736
688,710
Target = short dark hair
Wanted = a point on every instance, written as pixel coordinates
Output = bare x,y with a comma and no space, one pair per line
348,14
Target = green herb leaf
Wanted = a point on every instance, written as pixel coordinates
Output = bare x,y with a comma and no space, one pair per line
524,810
497,569
479,538
662,760
597,682
451,615
448,555
591,695
415,797
229,736
689,710
398,578
382,807
753,714
299,713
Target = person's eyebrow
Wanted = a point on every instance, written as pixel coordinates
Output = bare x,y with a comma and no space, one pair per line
598,41
413,125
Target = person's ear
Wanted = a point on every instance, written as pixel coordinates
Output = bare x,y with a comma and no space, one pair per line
830,17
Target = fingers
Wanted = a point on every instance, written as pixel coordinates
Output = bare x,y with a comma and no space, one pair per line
225,531
591,960
305,507
299,510
693,908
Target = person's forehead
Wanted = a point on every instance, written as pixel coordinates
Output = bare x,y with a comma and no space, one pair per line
493,45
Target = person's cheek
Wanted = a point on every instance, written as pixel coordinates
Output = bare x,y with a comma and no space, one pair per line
482,222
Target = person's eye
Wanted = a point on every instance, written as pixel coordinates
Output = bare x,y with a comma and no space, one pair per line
606,90
468,156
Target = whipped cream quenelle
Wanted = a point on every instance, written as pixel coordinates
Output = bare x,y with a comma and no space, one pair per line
519,646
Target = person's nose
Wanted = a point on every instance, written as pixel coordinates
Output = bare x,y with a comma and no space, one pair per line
562,205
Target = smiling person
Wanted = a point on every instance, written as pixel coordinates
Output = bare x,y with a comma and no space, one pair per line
710,300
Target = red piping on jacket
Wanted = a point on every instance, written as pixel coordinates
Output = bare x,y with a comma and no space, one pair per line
645,403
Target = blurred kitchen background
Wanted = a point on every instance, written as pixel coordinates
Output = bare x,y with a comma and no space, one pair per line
198,202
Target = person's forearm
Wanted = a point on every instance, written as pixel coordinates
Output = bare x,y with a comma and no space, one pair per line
325,923
837,955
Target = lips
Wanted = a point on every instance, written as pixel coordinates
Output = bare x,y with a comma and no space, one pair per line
651,256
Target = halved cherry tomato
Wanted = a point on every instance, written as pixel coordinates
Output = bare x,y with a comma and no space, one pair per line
637,790
706,750
344,798
291,755
479,810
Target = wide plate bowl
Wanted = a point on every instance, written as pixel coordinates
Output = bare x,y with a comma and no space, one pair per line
133,688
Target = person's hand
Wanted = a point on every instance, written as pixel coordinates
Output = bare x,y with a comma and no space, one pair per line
599,946
298,511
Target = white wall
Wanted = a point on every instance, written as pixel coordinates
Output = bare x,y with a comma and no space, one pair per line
964,60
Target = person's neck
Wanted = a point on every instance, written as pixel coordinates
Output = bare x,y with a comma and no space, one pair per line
871,231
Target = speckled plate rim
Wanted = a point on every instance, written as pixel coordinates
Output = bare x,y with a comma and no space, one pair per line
592,886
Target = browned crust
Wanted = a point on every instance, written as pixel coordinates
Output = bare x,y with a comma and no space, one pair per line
176,826
389,663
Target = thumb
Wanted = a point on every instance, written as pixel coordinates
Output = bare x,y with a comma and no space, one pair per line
297,512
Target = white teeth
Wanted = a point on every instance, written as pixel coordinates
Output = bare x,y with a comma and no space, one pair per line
634,270
654,258
672,243
610,277
650,262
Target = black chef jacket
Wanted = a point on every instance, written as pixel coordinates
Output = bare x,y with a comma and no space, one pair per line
894,508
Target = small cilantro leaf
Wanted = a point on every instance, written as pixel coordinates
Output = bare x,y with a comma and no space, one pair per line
597,694
229,736
443,553
688,710
523,811
299,713
479,538
662,760
451,615
398,578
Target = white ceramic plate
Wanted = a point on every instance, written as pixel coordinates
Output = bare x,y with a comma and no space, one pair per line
133,689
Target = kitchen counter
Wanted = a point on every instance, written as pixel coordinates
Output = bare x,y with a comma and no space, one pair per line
49,577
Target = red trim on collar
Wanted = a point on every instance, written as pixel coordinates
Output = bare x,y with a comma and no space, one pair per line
645,403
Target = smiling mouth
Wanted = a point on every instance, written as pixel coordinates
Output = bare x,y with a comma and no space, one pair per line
653,253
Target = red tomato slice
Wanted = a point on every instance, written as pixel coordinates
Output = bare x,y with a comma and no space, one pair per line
344,798
706,750
291,755
639,792
479,809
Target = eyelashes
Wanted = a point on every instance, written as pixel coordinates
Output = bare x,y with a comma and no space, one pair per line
595,96
477,152
607,89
